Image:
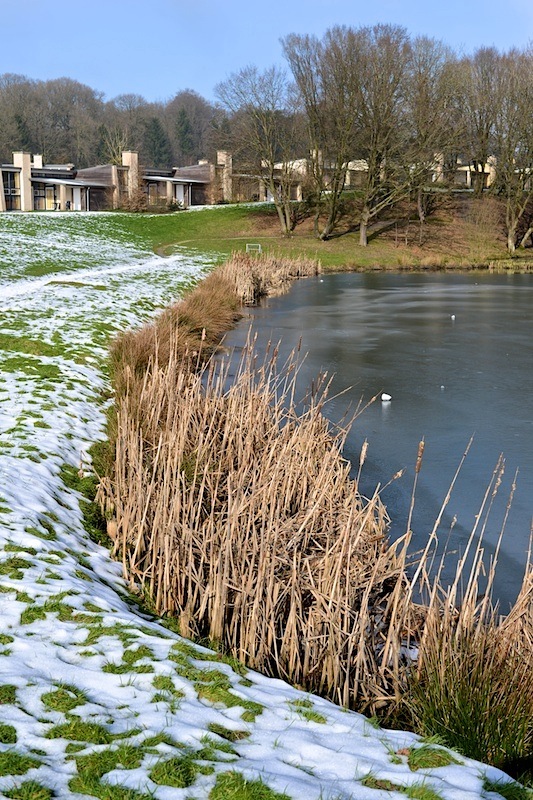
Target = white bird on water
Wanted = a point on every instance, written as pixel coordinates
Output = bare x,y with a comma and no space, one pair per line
385,397
452,317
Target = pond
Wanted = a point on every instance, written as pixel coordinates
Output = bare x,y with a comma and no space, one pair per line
455,352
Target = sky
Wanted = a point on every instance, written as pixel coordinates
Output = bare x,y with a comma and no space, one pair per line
156,48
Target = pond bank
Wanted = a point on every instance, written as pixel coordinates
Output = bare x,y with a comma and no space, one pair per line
401,621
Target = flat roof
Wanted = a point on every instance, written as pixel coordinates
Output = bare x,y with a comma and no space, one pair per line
171,180
72,182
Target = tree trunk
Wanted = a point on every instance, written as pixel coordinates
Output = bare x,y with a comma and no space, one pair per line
327,230
363,227
316,218
511,239
421,212
290,221
282,222
526,236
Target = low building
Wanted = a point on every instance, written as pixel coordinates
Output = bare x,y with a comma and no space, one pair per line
30,185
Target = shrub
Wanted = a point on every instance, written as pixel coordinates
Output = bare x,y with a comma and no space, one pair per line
473,685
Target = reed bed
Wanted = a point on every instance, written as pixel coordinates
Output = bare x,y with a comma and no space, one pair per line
196,323
254,278
239,516
235,511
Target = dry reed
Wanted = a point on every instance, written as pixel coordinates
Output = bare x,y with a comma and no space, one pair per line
236,512
239,516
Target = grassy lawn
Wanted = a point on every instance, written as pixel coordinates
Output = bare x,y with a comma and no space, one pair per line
463,232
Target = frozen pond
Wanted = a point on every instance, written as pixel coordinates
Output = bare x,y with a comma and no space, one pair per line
456,354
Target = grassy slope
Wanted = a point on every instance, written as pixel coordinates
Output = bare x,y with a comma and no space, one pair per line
463,232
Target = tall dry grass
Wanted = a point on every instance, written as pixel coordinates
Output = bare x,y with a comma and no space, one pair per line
237,513
471,683
196,323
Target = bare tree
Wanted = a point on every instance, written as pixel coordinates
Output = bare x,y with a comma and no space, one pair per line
114,140
479,98
14,133
127,114
383,59
67,116
326,76
433,122
263,125
513,139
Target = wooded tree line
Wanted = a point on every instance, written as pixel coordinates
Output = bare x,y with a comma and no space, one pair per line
68,121
407,107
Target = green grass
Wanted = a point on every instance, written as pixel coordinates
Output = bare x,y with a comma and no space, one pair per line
211,684
13,567
15,548
129,662
64,698
417,791
476,700
8,694
78,730
429,757
91,768
87,484
371,782
233,786
227,733
97,630
509,791
46,531
179,771
29,790
32,367
219,231
304,708
8,734
223,230
53,605
152,742
13,763
167,692
126,669
21,344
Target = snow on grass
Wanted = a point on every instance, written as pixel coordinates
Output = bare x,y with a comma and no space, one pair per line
99,699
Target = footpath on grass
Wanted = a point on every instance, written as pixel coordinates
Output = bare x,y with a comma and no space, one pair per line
99,699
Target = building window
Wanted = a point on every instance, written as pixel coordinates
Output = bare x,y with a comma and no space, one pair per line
11,181
39,197
153,194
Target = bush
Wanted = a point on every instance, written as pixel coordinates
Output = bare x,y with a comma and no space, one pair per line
473,686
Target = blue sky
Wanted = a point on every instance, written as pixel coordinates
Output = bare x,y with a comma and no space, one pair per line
155,48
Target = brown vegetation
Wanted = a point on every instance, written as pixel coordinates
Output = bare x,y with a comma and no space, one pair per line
237,513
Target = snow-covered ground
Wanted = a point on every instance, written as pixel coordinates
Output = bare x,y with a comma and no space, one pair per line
97,698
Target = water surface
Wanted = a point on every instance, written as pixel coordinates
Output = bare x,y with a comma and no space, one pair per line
456,354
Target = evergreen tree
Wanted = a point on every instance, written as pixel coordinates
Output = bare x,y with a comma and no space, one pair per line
184,135
156,144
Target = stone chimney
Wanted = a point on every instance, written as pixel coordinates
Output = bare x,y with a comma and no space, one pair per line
2,195
37,161
225,160
23,161
130,159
